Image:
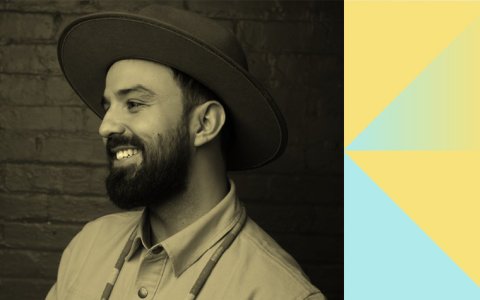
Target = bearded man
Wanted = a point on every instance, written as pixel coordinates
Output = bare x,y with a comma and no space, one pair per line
179,109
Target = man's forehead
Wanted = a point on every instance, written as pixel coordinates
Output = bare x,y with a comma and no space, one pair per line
141,74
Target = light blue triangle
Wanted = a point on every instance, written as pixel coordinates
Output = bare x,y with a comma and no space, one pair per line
387,256
427,114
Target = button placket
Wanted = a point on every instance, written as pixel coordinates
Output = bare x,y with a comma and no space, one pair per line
150,273
142,292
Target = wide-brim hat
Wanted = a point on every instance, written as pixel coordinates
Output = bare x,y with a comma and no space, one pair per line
193,44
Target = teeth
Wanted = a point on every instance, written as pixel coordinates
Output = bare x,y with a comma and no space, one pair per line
126,153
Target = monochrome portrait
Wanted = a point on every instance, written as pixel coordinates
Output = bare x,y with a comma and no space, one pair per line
171,149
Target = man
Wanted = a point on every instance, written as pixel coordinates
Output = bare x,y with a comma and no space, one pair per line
170,141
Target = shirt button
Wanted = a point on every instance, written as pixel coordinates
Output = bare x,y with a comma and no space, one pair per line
142,292
157,250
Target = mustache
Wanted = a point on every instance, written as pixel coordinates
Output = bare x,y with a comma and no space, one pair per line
116,140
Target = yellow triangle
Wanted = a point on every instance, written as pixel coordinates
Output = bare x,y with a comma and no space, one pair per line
387,44
439,191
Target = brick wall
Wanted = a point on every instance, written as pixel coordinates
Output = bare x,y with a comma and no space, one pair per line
52,164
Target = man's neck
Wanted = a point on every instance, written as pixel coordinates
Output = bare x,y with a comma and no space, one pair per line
182,210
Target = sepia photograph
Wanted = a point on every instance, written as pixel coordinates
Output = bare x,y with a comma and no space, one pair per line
182,149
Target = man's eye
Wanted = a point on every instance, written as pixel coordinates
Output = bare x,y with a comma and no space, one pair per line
105,105
133,104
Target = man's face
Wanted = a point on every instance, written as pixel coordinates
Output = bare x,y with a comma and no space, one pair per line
146,134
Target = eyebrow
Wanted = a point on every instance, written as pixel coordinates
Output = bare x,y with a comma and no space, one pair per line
134,89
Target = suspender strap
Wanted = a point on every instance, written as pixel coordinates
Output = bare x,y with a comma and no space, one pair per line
118,266
227,241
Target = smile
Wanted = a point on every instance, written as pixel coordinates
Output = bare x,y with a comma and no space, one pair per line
126,153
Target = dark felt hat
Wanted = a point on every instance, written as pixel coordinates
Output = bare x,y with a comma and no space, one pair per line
190,43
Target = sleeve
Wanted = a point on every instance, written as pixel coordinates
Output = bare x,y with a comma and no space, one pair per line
316,296
56,290
52,294
69,265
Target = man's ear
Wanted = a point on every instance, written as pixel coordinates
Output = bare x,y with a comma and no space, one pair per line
207,121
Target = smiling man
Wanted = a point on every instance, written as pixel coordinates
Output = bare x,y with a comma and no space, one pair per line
179,109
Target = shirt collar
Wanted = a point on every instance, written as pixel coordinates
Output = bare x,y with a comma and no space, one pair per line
188,245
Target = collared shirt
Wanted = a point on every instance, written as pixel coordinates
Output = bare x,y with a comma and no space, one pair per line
253,267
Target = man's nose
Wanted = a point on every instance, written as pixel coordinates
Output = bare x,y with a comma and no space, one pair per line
111,124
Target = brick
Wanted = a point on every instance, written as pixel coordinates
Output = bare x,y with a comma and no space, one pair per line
35,90
45,236
73,180
48,147
39,118
300,219
33,178
29,59
24,288
2,232
42,118
288,37
64,20
51,207
85,208
34,264
24,207
53,6
3,174
84,180
71,119
262,65
19,27
22,90
276,10
303,189
306,70
59,92
77,148
308,109
128,5
91,121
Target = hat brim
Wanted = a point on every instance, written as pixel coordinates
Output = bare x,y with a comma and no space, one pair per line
90,45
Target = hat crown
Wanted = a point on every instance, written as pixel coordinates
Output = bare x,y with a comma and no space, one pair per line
202,29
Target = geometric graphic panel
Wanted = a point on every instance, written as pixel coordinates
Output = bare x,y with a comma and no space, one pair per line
439,110
439,191
388,44
412,130
387,256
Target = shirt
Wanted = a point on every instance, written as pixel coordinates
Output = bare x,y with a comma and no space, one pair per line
253,267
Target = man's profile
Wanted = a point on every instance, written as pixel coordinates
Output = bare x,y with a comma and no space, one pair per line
179,109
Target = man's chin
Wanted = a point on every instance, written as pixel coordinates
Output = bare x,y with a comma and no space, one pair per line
123,172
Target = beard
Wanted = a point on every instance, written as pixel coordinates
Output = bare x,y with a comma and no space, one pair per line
162,173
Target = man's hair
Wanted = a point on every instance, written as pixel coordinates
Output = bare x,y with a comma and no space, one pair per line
194,94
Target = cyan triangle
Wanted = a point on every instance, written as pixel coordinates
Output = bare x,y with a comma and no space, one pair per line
387,256
438,110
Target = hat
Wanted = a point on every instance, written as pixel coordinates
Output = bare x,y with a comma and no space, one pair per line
188,42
